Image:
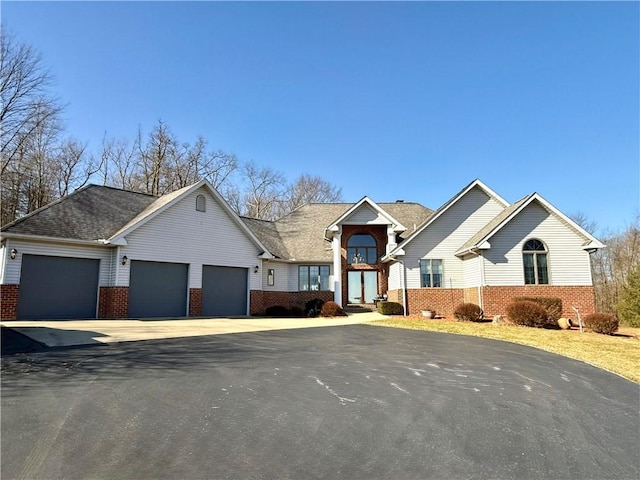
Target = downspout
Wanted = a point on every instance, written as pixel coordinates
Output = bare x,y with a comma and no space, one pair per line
482,280
403,283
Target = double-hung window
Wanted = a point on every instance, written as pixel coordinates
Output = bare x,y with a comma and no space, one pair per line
313,277
431,273
534,259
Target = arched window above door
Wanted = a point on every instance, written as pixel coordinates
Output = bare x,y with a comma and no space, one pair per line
361,248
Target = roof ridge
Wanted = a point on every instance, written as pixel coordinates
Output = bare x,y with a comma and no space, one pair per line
124,190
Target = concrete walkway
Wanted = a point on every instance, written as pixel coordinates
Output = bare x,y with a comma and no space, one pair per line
63,333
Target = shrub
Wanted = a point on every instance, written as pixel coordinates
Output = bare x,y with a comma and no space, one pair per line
468,312
313,307
276,311
601,323
529,314
296,312
553,305
332,309
628,306
390,308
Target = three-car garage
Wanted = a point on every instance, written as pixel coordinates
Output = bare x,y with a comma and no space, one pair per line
55,287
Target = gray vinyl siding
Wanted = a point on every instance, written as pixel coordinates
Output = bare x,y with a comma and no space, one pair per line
365,215
568,263
13,267
282,276
181,234
447,234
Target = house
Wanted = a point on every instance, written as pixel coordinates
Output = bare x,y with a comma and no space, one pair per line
103,252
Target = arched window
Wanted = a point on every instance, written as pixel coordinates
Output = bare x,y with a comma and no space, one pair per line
201,203
361,248
534,258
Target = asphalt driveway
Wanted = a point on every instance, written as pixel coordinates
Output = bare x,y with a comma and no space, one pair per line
348,402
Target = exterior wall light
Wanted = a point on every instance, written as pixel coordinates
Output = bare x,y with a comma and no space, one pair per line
256,269
124,260
13,253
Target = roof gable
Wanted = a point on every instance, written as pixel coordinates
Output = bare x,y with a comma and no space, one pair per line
364,212
481,241
442,211
166,201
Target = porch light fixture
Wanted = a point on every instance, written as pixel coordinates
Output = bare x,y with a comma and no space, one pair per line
256,269
14,253
124,260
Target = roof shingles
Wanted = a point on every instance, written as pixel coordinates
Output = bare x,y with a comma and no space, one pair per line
91,213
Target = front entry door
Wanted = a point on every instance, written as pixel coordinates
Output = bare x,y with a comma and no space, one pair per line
362,286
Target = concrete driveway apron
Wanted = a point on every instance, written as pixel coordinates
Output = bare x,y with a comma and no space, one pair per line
65,333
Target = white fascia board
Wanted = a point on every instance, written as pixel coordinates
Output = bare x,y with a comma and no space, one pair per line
484,246
596,243
390,257
42,238
398,227
593,245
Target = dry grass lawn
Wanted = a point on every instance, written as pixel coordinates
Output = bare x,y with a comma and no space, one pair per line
619,353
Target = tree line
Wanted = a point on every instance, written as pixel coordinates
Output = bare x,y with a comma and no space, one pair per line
40,162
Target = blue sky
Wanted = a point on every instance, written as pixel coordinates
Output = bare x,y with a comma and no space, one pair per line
407,100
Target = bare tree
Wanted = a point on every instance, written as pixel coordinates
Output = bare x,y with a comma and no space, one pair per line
585,222
263,191
309,189
612,265
26,102
72,169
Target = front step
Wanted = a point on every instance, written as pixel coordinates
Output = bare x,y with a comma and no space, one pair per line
360,308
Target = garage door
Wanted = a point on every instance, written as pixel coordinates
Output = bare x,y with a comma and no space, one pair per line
224,291
157,289
58,287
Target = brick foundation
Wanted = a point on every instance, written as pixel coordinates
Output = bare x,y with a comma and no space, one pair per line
495,299
9,301
195,302
442,300
260,300
114,302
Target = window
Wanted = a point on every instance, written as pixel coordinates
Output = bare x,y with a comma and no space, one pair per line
431,273
361,248
534,259
313,277
201,203
271,277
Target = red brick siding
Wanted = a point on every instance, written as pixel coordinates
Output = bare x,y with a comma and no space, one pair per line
114,302
260,300
9,301
442,300
471,295
496,299
195,302
379,233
